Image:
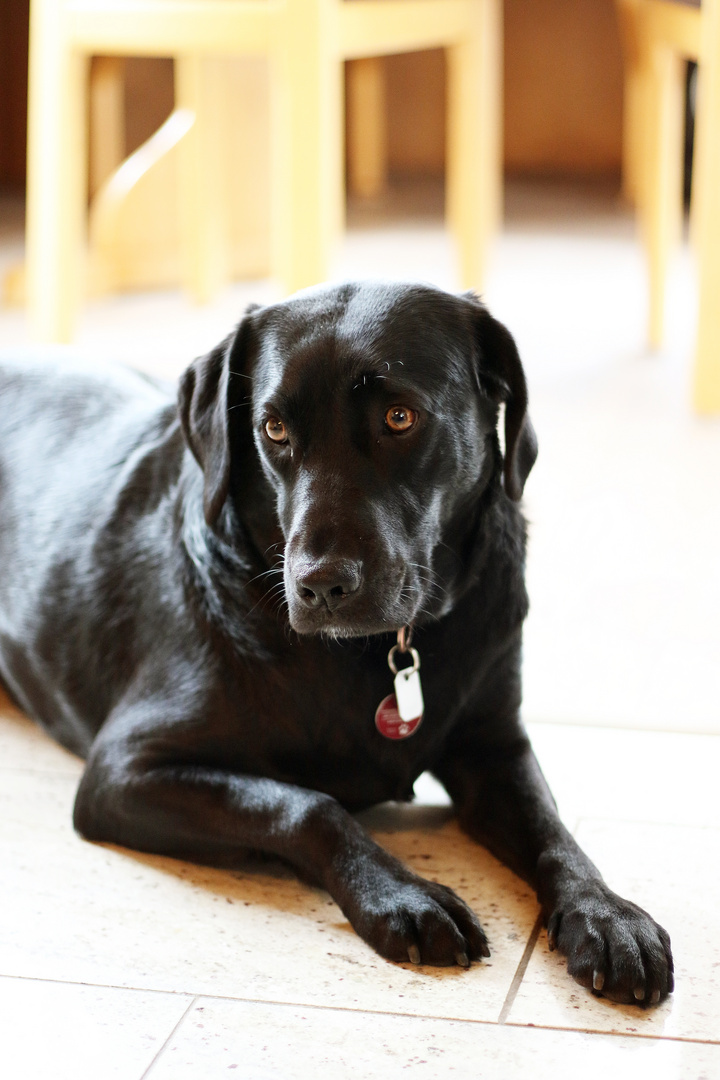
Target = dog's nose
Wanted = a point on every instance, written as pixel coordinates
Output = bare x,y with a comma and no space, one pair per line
329,583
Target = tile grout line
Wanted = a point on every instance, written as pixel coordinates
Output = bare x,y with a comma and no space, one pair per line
272,1003
162,1049
615,1034
521,969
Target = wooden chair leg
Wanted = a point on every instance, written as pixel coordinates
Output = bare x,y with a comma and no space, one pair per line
706,389
474,168
57,184
307,106
203,195
107,118
633,101
632,137
662,182
366,127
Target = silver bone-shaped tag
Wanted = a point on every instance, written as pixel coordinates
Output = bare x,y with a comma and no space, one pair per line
408,691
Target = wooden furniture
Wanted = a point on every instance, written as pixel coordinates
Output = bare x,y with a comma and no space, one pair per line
707,215
137,235
659,37
306,42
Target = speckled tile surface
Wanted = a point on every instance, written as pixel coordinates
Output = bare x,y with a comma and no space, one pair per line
24,746
277,1042
91,913
674,873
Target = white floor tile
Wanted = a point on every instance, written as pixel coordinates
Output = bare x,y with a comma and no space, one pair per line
674,873
275,1042
99,914
71,1032
24,746
660,777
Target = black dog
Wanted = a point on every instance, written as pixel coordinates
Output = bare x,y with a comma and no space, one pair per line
202,600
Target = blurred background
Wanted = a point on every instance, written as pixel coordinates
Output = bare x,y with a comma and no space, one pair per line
565,207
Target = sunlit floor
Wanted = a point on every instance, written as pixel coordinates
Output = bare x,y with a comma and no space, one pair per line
117,965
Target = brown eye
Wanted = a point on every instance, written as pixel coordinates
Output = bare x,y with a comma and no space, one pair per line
276,430
399,418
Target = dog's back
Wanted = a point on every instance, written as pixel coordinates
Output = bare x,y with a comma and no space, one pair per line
73,440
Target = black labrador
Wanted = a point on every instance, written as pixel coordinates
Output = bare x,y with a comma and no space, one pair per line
210,601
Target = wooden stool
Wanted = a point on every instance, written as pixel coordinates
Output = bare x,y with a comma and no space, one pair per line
306,42
659,36
706,386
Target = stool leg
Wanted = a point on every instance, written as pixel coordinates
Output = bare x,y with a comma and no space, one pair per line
57,182
633,100
107,118
367,127
307,104
202,189
633,121
662,183
474,166
707,185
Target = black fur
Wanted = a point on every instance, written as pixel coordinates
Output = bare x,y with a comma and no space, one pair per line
205,613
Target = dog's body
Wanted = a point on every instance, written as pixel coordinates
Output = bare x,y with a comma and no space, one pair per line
333,468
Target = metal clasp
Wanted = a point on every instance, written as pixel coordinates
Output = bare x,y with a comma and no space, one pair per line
413,653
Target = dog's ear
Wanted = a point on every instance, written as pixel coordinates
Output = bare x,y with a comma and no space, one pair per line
203,404
502,378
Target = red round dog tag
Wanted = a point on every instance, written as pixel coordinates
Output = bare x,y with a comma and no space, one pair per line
389,722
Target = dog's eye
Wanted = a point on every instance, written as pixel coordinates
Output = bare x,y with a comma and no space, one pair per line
399,418
276,430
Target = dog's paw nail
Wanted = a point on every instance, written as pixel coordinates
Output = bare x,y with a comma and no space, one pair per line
552,942
485,951
654,997
598,980
462,959
414,954
671,982
639,993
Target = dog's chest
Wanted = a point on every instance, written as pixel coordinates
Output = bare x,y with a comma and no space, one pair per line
312,721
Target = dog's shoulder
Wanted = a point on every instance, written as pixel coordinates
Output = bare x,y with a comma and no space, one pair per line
60,409
66,384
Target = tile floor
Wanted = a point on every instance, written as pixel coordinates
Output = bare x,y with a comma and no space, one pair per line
119,965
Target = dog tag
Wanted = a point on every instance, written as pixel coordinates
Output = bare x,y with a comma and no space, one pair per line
408,693
389,722
399,714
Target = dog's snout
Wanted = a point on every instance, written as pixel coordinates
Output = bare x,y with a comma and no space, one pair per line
328,583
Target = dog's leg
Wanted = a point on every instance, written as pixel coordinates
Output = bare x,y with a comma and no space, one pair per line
502,799
214,816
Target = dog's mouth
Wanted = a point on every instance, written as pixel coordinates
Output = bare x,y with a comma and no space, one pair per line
333,625
350,604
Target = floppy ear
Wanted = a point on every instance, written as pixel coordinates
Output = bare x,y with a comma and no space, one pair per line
503,379
203,407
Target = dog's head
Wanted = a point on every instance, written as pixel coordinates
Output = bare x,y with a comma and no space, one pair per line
372,410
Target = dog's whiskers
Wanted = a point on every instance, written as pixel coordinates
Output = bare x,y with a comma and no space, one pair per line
268,596
265,573
277,554
428,578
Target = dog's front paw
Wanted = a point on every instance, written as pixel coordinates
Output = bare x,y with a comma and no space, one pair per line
423,922
613,947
